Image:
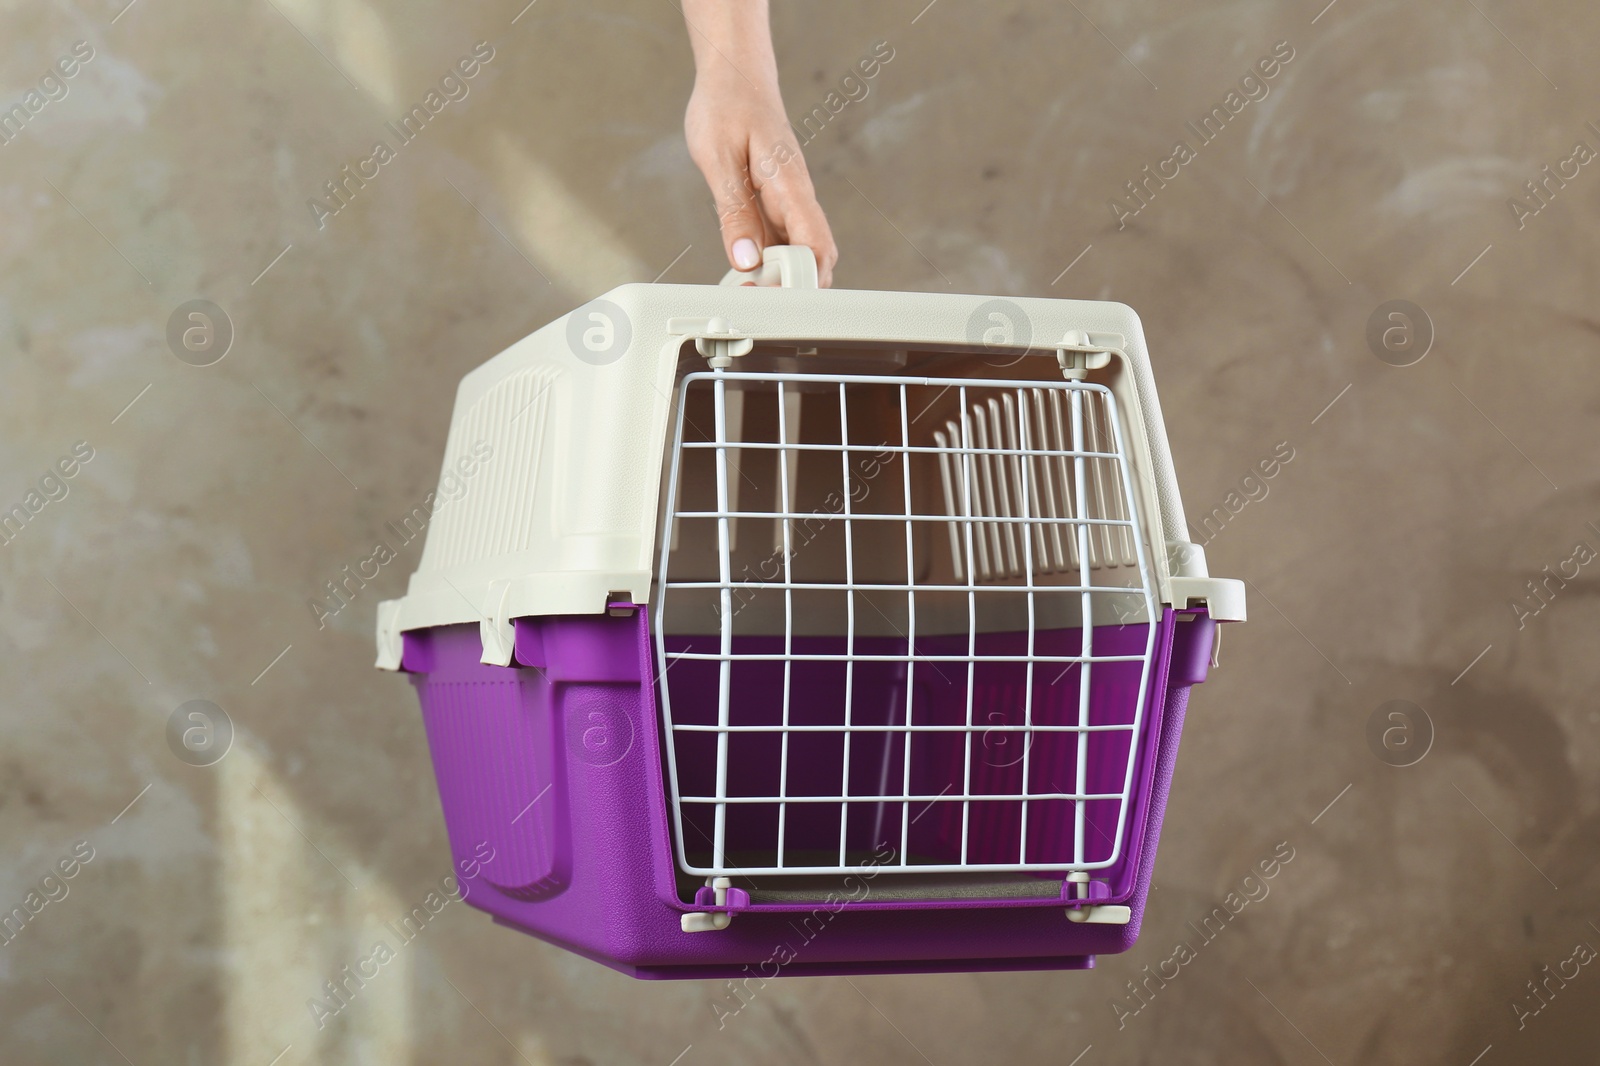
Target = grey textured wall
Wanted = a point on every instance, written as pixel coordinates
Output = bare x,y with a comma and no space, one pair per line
1386,559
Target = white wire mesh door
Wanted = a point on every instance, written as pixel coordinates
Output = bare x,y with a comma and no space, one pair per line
901,623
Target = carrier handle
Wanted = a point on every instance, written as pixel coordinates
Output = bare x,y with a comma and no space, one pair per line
790,266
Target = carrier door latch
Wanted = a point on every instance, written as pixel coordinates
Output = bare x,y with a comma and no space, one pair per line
1080,351
1223,597
713,338
495,630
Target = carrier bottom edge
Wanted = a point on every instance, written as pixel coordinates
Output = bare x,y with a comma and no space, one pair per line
833,968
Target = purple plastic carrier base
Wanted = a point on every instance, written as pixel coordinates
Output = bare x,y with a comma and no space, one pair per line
551,777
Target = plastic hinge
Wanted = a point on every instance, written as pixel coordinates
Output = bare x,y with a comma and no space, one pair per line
1080,351
1223,597
714,339
723,895
1098,914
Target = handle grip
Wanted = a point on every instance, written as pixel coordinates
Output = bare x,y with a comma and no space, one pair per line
790,266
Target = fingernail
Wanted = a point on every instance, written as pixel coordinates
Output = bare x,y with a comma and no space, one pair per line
746,256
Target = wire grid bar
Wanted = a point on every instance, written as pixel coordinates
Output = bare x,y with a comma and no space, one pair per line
1104,727
866,657
775,446
987,519
830,586
938,797
1036,480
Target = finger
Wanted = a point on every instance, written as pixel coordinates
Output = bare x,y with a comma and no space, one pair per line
738,211
791,203
807,225
804,223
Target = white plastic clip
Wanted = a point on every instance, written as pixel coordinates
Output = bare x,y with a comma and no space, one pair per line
1103,914
1222,596
705,922
390,642
495,630
1080,352
720,351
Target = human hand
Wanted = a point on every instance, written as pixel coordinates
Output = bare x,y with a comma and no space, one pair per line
740,139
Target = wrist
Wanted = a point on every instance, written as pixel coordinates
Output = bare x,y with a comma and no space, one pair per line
752,87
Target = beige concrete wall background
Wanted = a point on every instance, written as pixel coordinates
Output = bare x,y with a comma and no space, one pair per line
1384,561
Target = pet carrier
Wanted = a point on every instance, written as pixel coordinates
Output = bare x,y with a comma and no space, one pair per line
772,629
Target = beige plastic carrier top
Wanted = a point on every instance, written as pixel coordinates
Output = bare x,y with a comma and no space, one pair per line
575,428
